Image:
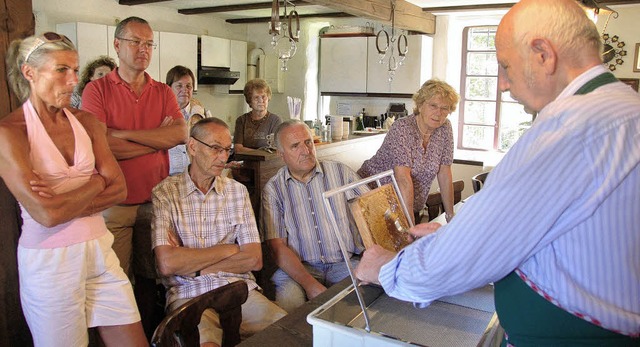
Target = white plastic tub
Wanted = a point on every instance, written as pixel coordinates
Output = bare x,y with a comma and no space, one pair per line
462,320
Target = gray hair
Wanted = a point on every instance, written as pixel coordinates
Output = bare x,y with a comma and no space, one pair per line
562,22
284,125
122,26
35,49
198,130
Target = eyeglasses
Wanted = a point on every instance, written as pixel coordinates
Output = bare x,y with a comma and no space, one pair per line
260,97
47,37
137,43
434,107
217,150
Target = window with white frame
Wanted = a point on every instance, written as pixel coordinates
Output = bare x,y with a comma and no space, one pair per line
489,119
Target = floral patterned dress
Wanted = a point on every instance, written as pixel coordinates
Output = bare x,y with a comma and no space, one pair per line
403,147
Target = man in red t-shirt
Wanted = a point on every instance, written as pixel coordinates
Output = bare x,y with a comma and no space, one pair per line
143,121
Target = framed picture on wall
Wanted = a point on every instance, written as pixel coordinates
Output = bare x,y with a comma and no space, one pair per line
636,59
633,82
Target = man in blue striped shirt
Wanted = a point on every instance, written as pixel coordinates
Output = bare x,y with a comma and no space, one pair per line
556,226
296,223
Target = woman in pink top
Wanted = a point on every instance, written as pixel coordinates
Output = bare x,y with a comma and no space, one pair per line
59,167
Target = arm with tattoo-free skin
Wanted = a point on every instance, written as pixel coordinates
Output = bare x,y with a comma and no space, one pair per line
45,206
290,263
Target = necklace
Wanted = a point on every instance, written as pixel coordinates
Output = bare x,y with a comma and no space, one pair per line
424,133
425,136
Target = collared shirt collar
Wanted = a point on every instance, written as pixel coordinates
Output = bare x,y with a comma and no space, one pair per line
189,187
114,77
581,80
317,170
573,87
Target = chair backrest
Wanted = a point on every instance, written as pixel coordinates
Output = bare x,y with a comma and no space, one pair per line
434,200
478,181
180,327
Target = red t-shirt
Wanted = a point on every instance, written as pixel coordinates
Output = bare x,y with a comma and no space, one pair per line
114,103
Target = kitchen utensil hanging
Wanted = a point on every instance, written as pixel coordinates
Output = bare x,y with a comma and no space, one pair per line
285,45
390,43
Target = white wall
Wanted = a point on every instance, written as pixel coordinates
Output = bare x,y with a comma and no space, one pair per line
48,13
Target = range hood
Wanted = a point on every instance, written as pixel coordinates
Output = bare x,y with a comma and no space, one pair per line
217,75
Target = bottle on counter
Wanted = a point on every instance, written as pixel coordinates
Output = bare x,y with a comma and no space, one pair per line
359,123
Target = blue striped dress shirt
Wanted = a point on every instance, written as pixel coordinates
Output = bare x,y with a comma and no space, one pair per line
295,211
562,207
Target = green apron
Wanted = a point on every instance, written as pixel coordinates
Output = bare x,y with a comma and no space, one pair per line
530,320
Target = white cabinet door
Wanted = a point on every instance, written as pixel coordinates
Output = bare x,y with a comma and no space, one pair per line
90,39
239,63
154,64
343,64
416,68
215,51
111,31
178,49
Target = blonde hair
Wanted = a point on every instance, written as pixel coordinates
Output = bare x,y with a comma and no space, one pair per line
433,88
37,50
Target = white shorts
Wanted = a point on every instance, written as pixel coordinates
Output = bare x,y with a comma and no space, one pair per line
66,290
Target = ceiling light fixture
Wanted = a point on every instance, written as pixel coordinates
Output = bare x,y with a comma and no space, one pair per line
285,45
389,45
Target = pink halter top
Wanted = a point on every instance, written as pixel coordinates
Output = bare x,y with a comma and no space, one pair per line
53,168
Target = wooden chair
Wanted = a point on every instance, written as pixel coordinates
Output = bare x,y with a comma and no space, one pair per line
477,181
434,200
180,327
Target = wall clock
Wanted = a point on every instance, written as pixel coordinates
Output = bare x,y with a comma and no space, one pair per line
613,51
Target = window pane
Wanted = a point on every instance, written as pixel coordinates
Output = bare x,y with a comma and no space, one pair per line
481,88
480,112
482,64
513,123
477,137
482,38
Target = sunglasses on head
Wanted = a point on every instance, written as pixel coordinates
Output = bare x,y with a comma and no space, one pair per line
47,37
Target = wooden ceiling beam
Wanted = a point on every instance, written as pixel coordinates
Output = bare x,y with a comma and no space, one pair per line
468,7
268,19
233,8
138,2
407,16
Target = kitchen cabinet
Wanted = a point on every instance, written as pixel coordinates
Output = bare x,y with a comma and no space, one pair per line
416,69
343,65
215,51
93,40
239,63
90,39
351,65
177,49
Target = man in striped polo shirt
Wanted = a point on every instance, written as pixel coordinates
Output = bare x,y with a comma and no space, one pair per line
296,223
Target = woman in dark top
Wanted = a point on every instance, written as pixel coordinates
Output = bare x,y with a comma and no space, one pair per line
253,127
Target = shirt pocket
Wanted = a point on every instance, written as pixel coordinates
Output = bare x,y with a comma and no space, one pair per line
226,225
